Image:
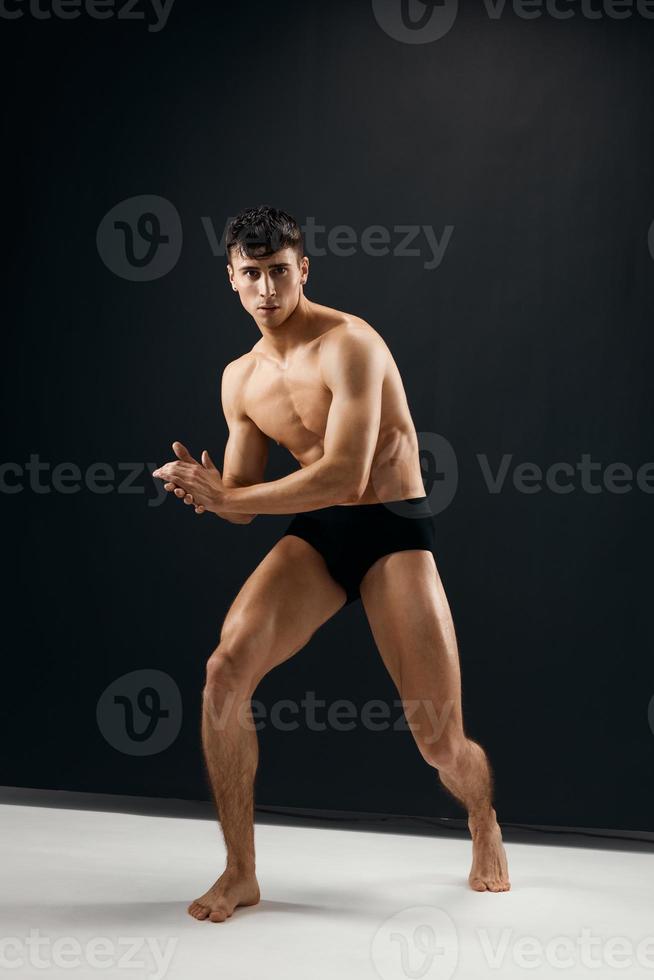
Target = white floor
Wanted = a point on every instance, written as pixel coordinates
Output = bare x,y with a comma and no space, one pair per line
94,894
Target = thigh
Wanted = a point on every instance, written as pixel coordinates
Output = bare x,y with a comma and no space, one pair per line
411,623
280,606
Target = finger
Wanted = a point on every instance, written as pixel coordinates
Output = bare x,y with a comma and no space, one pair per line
171,472
163,472
182,452
180,491
199,509
208,463
169,486
188,499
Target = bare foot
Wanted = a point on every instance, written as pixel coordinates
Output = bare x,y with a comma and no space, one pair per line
232,889
490,871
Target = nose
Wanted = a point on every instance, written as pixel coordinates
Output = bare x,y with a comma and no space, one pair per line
266,287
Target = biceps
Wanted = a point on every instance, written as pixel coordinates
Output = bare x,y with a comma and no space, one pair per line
246,454
353,430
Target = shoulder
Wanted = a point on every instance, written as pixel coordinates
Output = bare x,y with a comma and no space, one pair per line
352,336
235,374
239,365
352,345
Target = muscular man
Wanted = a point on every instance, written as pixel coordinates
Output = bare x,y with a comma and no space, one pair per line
323,384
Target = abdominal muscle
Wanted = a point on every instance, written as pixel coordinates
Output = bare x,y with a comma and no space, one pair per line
395,471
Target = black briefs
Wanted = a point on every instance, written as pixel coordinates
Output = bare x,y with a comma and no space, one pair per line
352,537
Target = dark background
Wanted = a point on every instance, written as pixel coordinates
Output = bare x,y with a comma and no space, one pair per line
533,338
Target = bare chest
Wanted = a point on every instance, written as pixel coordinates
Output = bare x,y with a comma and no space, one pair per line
290,404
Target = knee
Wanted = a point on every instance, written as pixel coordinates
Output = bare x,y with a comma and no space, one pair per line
445,752
229,668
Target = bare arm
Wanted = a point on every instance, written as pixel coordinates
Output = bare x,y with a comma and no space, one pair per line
353,366
247,447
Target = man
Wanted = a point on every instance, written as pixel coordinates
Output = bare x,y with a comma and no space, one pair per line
323,384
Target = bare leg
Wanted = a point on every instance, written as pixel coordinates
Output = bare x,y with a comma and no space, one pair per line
231,753
469,779
411,622
287,597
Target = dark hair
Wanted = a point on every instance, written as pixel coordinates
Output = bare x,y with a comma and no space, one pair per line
258,232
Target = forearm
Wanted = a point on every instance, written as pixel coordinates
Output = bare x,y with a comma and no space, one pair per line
233,518
321,484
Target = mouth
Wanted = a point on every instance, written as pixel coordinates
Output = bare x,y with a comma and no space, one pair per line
268,309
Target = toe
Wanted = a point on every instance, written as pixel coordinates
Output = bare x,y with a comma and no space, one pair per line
477,884
218,915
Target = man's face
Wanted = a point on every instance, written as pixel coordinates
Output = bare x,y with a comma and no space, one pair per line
269,288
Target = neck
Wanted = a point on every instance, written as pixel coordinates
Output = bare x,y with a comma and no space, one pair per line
293,332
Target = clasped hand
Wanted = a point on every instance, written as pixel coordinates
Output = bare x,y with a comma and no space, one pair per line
197,483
